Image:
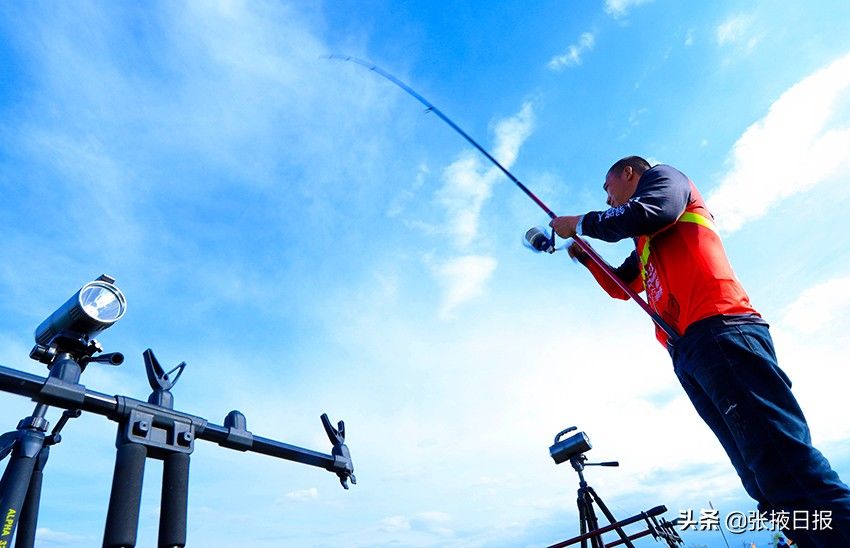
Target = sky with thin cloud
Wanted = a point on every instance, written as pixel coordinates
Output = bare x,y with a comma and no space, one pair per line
311,240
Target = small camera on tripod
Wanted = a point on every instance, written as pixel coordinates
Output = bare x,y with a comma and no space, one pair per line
571,447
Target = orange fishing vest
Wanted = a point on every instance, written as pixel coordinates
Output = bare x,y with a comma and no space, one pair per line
685,272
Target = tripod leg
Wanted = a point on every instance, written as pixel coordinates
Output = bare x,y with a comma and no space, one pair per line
587,519
592,521
610,516
582,516
16,482
29,513
175,498
122,518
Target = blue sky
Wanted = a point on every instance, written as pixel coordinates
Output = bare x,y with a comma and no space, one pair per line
309,240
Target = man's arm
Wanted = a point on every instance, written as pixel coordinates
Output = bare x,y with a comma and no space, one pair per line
628,272
659,200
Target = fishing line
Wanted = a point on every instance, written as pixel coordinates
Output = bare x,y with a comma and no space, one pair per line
599,261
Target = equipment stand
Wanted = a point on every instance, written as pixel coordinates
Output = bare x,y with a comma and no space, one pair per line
587,517
146,429
589,525
29,446
154,431
20,487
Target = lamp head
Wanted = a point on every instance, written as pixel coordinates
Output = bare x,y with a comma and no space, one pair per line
566,449
95,307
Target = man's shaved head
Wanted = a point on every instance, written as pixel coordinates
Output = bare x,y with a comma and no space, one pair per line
638,164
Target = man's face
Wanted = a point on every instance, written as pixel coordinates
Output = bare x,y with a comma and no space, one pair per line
620,187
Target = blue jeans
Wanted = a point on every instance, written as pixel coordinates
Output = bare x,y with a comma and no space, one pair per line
731,376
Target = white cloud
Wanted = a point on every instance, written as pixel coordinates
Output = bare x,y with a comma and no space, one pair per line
430,522
572,57
465,190
43,534
303,495
689,38
810,340
138,156
619,8
738,30
467,185
398,204
732,29
463,279
802,141
820,306
634,121
433,522
511,133
395,524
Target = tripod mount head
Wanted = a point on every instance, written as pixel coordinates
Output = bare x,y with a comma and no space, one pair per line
580,461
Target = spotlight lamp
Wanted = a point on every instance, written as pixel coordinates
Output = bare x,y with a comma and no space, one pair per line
566,449
71,328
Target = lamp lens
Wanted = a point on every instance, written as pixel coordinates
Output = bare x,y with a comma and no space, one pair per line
102,303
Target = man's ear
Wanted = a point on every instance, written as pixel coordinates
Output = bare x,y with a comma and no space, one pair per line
627,173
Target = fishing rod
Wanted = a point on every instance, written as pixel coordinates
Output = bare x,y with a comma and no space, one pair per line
595,257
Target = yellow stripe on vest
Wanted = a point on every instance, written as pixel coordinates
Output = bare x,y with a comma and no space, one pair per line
644,255
690,217
686,217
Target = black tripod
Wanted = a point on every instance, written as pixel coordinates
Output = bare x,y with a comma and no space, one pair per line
589,524
29,445
21,482
586,497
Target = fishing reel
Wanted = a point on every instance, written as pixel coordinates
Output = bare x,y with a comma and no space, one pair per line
538,241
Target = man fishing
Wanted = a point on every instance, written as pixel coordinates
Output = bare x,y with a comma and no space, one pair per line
724,356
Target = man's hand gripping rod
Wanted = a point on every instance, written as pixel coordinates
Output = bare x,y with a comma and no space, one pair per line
667,328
